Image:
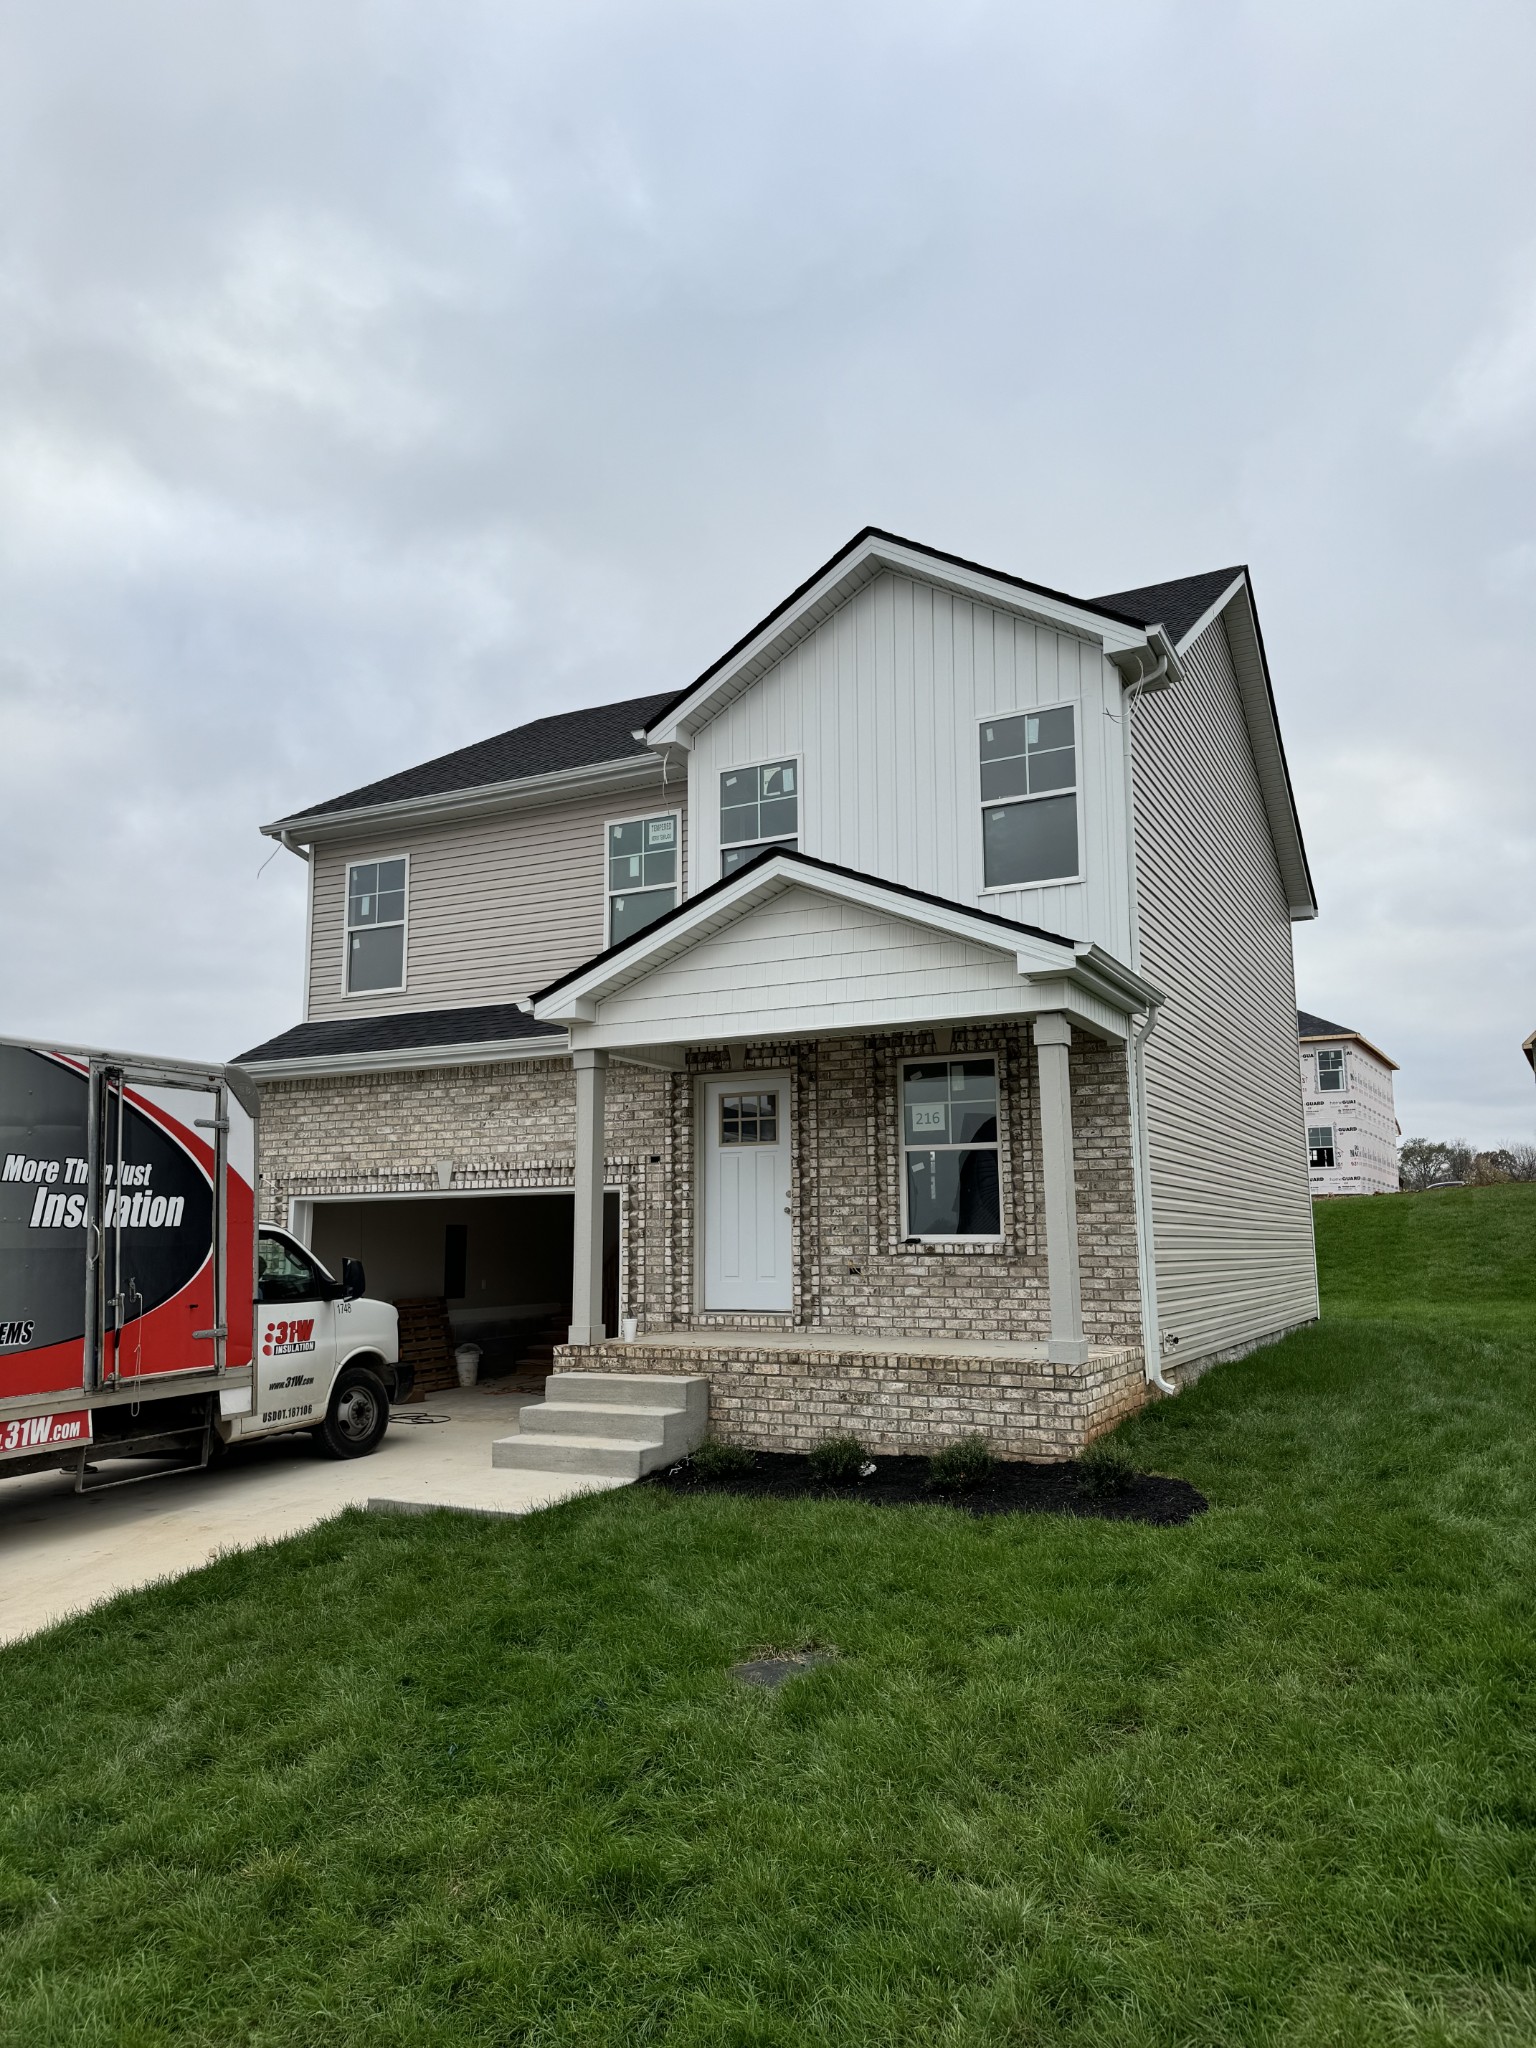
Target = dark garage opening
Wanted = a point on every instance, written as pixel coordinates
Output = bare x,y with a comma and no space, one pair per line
500,1264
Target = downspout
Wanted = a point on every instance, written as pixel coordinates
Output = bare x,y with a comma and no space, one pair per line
286,839
1146,1263
1151,1337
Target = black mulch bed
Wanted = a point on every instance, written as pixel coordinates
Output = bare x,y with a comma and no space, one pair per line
1009,1489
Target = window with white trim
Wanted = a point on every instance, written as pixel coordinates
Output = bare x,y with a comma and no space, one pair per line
949,1148
1320,1145
642,873
759,807
1029,798
375,926
1330,1070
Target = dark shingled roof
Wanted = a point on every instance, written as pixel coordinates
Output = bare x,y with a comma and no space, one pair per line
402,1031
569,739
1308,1026
604,732
1176,605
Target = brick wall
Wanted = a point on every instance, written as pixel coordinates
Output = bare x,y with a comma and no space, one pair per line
791,1396
504,1126
511,1125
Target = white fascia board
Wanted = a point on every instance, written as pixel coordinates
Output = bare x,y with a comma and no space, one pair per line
837,585
576,1001
481,1052
1268,752
1213,612
633,770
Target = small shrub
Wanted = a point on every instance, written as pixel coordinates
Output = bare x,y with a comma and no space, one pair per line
839,1461
714,1460
960,1466
1105,1470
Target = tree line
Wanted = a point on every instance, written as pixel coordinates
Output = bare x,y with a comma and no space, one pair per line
1421,1162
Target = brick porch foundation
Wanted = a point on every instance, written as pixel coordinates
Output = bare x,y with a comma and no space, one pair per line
790,1394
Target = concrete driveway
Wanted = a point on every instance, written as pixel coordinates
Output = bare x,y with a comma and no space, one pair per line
61,1551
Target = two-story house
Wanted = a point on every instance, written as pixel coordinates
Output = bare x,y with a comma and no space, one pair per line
899,1019
1346,1095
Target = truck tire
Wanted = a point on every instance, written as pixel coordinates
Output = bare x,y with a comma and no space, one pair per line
358,1414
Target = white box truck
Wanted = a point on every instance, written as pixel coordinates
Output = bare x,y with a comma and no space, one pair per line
143,1313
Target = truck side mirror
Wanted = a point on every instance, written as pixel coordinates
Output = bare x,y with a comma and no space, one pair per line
353,1280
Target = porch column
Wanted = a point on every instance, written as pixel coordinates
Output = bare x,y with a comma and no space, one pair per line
1053,1039
587,1256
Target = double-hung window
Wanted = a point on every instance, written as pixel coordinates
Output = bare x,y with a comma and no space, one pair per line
1330,1070
949,1148
375,926
1029,798
642,873
1320,1145
759,807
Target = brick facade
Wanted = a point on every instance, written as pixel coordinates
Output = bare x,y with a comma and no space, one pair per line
791,1397
510,1125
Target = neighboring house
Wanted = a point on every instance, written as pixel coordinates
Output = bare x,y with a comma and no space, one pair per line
1346,1090
896,1023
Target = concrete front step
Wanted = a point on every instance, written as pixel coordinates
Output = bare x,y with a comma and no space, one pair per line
603,1457
616,1425
632,1390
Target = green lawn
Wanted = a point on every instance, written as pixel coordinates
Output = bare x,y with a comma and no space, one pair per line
1265,1778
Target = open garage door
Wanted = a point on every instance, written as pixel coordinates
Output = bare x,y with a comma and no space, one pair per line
500,1264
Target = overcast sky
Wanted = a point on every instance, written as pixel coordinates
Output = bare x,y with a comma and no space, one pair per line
375,377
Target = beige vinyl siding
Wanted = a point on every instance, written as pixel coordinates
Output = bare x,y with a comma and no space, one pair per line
498,905
1232,1216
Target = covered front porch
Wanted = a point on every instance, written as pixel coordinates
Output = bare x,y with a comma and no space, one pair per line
901,1196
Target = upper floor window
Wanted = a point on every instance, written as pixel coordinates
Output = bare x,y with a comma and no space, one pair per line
949,1148
758,807
1330,1070
375,926
642,873
1029,798
1320,1145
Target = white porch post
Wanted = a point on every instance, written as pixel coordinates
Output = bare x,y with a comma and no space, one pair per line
587,1256
1053,1038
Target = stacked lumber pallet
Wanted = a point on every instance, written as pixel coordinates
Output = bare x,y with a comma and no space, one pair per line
426,1345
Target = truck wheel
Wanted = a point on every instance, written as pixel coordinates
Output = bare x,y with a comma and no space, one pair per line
358,1416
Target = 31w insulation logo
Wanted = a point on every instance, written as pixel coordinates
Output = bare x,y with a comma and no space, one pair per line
41,1432
282,1338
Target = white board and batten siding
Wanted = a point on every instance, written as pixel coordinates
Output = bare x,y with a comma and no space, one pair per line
1232,1214
498,905
882,706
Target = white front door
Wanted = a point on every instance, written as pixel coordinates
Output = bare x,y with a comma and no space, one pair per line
746,1193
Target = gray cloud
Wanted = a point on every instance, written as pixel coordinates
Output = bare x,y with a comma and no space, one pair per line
373,377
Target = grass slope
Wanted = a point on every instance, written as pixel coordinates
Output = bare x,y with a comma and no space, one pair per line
1265,1778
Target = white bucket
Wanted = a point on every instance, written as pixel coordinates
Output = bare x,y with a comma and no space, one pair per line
466,1359
629,1328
